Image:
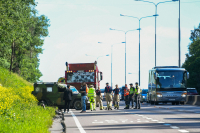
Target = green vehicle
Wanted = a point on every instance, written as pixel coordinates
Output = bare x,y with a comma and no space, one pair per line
51,94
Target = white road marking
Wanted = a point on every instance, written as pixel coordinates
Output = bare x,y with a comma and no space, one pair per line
131,121
111,121
167,124
138,121
77,123
161,122
174,127
183,131
140,115
95,120
98,122
154,120
149,118
146,121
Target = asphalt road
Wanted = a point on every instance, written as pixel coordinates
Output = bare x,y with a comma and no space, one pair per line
149,119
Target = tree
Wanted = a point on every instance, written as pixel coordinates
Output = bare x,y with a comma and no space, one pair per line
192,62
22,35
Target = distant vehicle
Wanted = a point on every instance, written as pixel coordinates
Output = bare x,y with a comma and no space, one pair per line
192,91
51,94
167,84
102,93
122,92
76,73
144,95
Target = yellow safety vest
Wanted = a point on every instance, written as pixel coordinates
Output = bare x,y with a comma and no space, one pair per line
131,90
137,90
91,92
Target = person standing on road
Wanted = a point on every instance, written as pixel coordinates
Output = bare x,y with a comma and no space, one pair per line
83,97
126,96
137,96
67,97
92,97
131,95
98,98
116,97
108,91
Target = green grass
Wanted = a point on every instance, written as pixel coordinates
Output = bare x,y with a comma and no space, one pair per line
24,115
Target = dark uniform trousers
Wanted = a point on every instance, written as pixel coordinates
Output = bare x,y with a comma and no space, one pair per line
67,105
131,100
137,100
126,99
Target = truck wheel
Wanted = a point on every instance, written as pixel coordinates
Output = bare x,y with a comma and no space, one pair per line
77,105
173,103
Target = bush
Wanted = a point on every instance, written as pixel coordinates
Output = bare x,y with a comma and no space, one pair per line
19,111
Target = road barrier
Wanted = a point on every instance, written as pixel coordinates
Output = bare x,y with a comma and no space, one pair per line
193,100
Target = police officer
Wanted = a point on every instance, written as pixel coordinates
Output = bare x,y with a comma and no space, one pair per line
108,93
98,98
126,96
131,95
116,97
92,97
137,96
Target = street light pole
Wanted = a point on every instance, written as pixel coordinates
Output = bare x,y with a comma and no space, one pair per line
156,5
139,35
179,34
125,46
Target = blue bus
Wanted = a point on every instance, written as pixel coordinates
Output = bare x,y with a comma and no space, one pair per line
167,84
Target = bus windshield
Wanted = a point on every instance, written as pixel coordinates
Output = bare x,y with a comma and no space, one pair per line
171,79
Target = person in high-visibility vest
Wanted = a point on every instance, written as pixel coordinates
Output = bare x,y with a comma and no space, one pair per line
137,96
92,97
116,97
131,95
126,96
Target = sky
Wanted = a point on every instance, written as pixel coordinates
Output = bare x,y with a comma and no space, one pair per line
76,27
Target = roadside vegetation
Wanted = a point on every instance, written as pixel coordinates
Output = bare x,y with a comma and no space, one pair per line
19,112
192,62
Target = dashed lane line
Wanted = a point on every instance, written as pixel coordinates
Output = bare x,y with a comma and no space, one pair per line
174,127
183,131
77,123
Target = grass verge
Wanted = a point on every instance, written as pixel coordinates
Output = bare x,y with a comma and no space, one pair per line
19,112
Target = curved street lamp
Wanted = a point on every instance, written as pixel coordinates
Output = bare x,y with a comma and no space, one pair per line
139,19
125,45
156,4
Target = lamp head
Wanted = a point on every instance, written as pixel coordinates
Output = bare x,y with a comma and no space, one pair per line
155,15
107,55
175,0
122,15
112,29
123,42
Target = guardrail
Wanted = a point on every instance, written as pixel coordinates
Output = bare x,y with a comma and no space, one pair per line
193,100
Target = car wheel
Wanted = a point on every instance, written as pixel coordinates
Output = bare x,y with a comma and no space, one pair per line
77,105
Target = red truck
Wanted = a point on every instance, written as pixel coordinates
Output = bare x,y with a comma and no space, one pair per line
76,73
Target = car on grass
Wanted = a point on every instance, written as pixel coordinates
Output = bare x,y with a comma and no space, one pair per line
51,94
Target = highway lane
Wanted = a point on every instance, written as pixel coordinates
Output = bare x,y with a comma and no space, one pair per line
151,119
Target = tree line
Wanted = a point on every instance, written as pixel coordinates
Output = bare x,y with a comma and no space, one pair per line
192,62
22,33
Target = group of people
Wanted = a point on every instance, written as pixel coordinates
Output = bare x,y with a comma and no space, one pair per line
130,95
112,96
